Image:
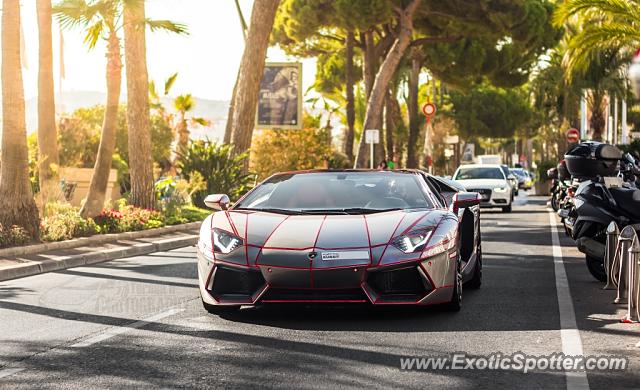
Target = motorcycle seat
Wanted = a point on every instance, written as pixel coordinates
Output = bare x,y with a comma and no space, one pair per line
628,199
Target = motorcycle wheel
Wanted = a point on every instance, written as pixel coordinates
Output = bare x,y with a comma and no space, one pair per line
596,268
554,203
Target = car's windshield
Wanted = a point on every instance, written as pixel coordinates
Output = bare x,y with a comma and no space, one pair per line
479,173
344,192
519,172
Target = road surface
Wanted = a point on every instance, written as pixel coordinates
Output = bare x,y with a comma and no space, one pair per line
138,322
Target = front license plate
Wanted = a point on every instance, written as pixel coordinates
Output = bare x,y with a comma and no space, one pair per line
345,255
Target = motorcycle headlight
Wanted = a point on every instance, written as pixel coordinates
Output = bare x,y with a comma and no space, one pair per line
225,242
414,241
500,189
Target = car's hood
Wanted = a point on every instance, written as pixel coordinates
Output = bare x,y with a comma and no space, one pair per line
475,184
286,240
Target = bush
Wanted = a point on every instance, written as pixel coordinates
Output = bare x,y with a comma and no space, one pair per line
63,222
127,219
221,170
285,150
186,214
13,236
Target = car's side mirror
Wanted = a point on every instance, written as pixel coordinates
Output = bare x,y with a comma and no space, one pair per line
462,200
512,177
217,201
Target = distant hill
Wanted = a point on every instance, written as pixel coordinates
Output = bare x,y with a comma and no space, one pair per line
212,110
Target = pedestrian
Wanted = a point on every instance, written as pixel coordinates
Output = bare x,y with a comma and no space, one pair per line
391,165
383,165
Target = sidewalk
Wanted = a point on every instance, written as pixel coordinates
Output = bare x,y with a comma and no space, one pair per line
35,259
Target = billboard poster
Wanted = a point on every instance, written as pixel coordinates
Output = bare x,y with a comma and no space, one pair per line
280,96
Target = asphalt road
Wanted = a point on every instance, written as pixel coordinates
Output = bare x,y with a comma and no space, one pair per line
138,322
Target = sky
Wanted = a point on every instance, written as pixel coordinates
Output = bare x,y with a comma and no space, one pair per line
206,60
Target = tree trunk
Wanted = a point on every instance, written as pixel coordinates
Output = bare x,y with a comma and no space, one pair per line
597,121
369,63
47,137
385,73
390,125
140,160
17,206
414,109
351,110
100,178
182,133
250,74
228,130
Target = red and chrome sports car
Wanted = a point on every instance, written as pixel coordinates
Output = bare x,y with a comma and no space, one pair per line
379,237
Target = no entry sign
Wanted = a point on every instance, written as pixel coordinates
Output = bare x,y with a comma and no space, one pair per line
573,135
429,110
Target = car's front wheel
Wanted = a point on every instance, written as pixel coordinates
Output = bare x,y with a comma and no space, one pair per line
456,300
219,309
476,280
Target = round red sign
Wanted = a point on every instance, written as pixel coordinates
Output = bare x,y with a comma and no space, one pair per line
429,109
573,135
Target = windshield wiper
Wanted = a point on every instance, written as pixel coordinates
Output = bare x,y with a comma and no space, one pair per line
271,210
351,210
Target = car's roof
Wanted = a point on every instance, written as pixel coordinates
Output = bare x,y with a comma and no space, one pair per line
480,166
412,171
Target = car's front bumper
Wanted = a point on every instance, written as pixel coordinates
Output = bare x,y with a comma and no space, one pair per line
492,198
424,282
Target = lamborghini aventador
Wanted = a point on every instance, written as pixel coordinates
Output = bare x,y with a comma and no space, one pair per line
353,236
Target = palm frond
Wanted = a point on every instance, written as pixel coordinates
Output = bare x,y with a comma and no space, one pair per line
624,9
166,25
94,32
168,83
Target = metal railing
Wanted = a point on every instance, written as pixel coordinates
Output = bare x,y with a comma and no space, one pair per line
622,264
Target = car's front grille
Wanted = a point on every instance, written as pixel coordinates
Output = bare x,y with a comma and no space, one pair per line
484,192
231,281
308,295
399,284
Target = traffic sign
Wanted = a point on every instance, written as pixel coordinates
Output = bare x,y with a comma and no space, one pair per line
573,135
429,110
372,136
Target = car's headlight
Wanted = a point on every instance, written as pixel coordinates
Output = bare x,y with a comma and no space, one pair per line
414,241
225,242
500,189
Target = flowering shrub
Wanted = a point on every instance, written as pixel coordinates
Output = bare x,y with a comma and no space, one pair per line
134,218
109,221
63,222
15,235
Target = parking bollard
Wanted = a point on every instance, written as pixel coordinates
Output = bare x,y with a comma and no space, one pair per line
633,314
610,255
624,242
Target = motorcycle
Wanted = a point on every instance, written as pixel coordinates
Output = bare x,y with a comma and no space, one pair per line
607,192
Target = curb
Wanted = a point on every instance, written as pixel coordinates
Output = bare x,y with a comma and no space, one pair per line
93,240
57,263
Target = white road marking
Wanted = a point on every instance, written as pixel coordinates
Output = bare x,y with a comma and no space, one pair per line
10,371
569,333
118,330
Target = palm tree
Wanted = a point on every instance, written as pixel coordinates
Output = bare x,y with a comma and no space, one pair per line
245,97
183,104
605,24
140,161
17,206
47,137
100,20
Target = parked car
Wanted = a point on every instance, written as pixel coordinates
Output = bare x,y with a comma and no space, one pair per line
513,179
490,182
348,236
525,180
